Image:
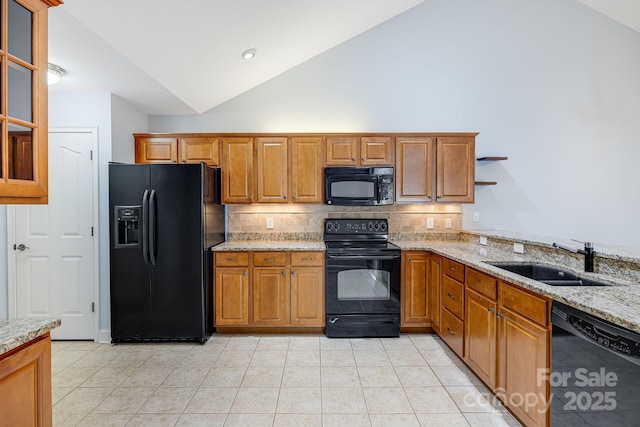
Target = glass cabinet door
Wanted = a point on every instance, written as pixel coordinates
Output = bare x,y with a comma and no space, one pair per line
23,100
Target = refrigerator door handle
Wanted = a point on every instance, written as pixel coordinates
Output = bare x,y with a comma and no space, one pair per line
152,227
145,227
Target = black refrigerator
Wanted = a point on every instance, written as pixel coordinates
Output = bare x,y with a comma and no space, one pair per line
164,219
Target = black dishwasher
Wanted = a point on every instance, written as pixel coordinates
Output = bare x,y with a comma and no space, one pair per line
595,371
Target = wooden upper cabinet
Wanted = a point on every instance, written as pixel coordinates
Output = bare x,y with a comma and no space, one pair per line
342,150
271,166
237,170
376,150
415,169
349,150
23,115
306,177
455,175
200,149
156,150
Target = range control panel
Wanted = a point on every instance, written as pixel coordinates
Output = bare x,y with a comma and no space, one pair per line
356,226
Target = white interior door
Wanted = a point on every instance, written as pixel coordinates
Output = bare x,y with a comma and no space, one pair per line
54,246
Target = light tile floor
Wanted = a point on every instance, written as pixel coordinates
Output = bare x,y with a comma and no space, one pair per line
246,380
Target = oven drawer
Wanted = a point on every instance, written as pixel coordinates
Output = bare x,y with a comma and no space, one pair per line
232,259
307,258
453,269
451,329
452,296
269,259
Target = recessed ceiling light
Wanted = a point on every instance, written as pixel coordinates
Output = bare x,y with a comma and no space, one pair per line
249,53
54,74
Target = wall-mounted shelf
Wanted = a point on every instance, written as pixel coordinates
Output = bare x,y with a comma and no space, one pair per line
491,158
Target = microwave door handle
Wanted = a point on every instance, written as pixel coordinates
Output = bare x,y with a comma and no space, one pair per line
379,183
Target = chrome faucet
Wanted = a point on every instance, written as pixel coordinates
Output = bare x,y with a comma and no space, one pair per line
588,253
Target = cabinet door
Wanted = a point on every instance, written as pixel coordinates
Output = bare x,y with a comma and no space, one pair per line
237,170
524,355
307,156
435,283
156,150
271,166
200,149
416,292
307,296
415,172
376,151
456,169
480,336
25,386
270,287
342,150
231,297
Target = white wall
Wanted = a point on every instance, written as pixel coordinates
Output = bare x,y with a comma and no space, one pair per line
550,83
4,285
125,121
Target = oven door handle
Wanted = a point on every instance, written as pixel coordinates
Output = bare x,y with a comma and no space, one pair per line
377,257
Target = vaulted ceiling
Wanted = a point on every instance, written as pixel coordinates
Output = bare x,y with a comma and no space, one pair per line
184,57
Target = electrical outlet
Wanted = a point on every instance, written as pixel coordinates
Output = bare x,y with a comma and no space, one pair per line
447,223
430,223
476,217
518,248
269,223
483,240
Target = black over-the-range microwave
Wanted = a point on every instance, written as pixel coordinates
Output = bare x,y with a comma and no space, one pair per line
358,186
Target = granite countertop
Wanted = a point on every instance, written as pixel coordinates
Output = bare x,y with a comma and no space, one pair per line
618,303
270,245
15,332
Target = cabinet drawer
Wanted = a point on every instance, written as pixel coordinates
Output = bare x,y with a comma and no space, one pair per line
307,258
453,269
482,283
232,259
269,259
452,331
452,296
531,306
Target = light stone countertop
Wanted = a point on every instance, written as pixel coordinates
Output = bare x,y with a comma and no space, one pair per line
618,303
269,245
15,332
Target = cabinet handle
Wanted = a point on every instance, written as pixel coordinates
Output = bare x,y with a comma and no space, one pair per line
282,272
244,273
452,268
408,259
293,197
285,197
451,296
232,259
293,273
499,315
353,159
306,259
451,331
490,310
363,159
269,259
439,197
184,160
437,262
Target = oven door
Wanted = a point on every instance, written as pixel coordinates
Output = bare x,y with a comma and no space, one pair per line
363,284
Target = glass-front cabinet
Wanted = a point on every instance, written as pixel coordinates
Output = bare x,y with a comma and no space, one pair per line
23,100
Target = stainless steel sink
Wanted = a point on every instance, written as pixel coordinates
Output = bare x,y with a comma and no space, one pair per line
548,275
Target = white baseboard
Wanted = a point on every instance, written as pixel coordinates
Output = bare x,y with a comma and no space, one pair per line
104,336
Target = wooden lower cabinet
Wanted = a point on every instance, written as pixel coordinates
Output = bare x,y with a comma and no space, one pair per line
415,292
480,337
435,283
276,289
25,385
231,293
524,356
270,300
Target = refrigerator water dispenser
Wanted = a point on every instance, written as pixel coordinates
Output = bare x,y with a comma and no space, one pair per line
127,227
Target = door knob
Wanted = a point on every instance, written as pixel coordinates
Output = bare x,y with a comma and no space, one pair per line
20,247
